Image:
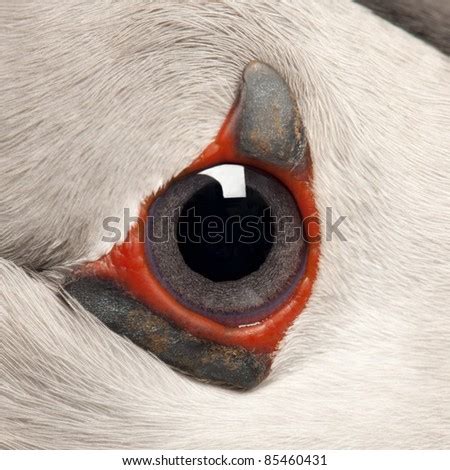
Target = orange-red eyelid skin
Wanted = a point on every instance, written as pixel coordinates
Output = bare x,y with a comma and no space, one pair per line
127,263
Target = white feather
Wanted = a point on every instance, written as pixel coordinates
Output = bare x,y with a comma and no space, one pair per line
102,102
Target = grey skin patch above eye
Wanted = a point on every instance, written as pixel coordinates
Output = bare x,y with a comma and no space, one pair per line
211,362
269,126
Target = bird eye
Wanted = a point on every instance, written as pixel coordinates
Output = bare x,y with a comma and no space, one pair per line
223,257
226,242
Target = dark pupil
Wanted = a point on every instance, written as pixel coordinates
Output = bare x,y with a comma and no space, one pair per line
224,239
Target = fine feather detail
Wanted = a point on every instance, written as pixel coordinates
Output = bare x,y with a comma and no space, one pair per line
104,102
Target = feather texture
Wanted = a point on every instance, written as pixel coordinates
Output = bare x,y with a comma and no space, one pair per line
104,102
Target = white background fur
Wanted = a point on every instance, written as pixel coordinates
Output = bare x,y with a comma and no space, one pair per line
103,102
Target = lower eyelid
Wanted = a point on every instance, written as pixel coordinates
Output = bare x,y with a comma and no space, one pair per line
230,365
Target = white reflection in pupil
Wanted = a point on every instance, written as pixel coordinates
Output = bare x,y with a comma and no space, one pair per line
230,177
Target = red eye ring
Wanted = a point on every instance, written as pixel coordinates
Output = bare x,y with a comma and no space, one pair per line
127,265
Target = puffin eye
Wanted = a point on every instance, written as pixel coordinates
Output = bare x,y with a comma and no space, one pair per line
223,258
226,242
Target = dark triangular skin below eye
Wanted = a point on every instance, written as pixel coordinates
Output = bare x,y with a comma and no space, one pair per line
230,365
263,130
